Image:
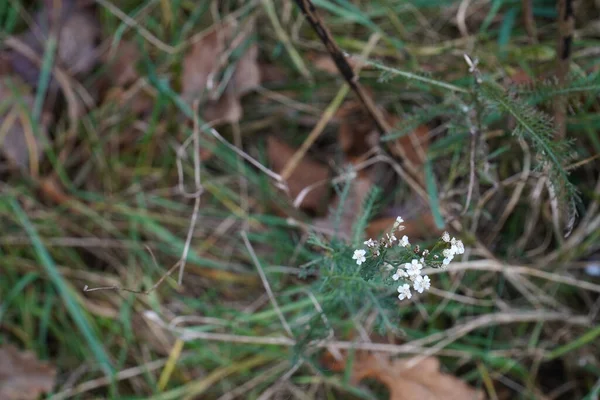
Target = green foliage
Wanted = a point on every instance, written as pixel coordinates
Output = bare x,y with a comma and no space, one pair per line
369,208
538,129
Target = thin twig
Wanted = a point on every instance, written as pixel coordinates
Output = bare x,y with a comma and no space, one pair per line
414,347
265,282
310,12
566,26
294,161
197,194
491,265
529,20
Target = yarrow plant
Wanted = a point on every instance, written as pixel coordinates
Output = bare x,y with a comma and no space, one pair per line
406,262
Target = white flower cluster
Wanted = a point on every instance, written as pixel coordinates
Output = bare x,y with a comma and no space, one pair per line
456,247
410,272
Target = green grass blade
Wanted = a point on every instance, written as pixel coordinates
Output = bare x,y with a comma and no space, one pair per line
432,191
584,339
44,78
17,288
63,289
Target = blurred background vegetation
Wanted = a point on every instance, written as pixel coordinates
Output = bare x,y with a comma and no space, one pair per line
106,182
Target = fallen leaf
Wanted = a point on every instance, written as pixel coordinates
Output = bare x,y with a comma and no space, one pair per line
226,109
414,144
201,67
18,141
247,72
52,190
5,66
271,73
351,209
422,381
520,77
78,35
357,133
121,63
305,174
135,99
22,375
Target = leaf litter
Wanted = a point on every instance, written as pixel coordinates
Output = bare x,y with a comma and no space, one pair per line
305,174
204,72
421,381
22,375
19,141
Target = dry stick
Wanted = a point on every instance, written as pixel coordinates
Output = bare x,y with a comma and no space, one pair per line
105,381
516,196
325,118
119,288
566,25
490,265
529,21
472,175
239,391
195,139
265,282
310,12
414,347
199,189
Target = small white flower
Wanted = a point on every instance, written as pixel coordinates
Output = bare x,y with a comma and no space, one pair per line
448,253
391,238
398,221
446,261
404,242
446,237
400,273
370,243
413,268
421,283
359,256
458,246
404,291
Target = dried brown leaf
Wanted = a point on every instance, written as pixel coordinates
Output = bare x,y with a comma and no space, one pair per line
201,67
414,144
305,174
77,41
226,109
247,72
121,63
18,141
357,132
271,73
351,210
405,381
78,34
22,375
